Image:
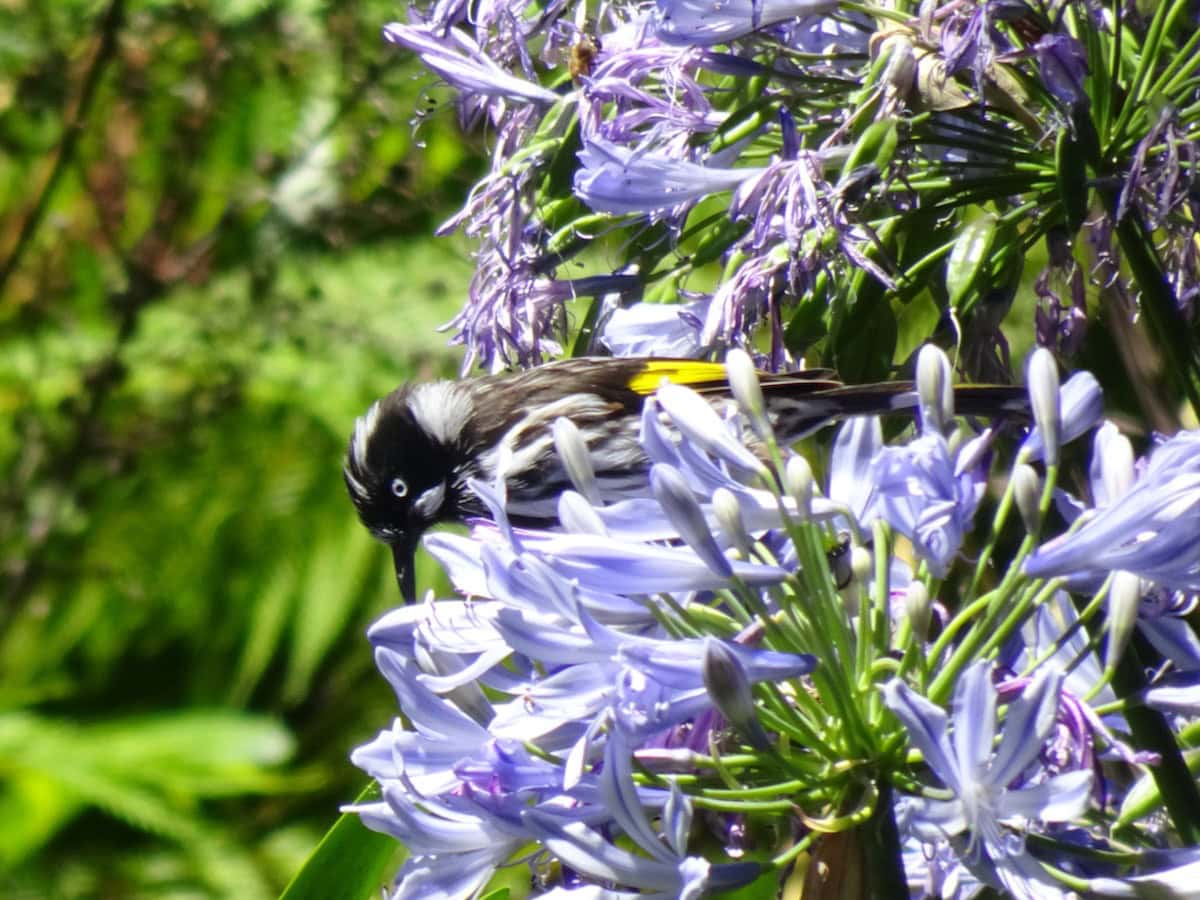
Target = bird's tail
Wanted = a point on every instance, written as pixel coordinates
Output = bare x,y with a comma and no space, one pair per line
798,410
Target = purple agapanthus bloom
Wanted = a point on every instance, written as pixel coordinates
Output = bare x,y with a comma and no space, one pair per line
645,90
655,329
1061,316
1062,64
1162,186
458,59
1081,404
619,180
972,39
744,299
514,311
993,787
663,869
1151,531
706,22
791,202
924,489
929,493
460,789
1162,609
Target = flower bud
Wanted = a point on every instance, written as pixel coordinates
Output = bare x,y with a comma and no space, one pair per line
681,507
729,519
861,563
1113,457
1028,493
1124,596
851,573
573,452
798,480
918,609
1081,403
743,382
935,388
1042,380
578,516
728,685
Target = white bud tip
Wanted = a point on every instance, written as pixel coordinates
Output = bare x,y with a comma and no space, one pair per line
1044,400
935,388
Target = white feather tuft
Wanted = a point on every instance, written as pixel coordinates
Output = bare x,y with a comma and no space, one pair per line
441,409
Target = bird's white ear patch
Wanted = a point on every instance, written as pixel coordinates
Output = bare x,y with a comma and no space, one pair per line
429,501
364,427
441,409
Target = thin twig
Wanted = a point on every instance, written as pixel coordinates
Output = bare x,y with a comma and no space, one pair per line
110,26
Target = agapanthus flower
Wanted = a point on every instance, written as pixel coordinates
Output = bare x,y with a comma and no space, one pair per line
1151,531
1161,186
924,489
1061,316
648,90
513,314
458,59
1063,67
990,785
620,180
705,22
655,329
790,202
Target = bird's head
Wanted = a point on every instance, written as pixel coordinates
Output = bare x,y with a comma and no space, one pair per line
398,472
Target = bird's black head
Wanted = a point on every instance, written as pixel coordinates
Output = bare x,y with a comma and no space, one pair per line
399,470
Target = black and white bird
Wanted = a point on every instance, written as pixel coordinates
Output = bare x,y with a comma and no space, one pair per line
413,453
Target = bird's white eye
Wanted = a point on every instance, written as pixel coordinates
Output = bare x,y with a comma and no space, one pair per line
399,487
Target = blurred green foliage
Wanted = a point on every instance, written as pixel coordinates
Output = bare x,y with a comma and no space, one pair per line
213,255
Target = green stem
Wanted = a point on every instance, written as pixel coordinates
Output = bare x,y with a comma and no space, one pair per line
881,846
1151,732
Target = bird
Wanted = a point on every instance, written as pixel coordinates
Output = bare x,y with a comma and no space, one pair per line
414,453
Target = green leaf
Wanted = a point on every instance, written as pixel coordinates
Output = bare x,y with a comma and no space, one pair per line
350,863
969,256
1070,171
866,337
876,147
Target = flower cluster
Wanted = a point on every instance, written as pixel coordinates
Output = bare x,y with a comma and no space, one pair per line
782,163
939,664
680,694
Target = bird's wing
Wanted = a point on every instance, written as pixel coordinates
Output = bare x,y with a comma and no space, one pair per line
709,377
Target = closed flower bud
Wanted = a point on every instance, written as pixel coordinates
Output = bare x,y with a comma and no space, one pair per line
935,388
728,685
1114,458
918,609
1043,399
743,382
578,516
1124,596
682,508
729,518
798,479
573,452
851,573
1027,492
861,563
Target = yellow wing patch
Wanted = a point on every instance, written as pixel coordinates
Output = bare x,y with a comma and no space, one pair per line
690,372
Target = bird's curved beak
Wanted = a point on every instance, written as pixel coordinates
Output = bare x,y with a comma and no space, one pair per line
403,552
